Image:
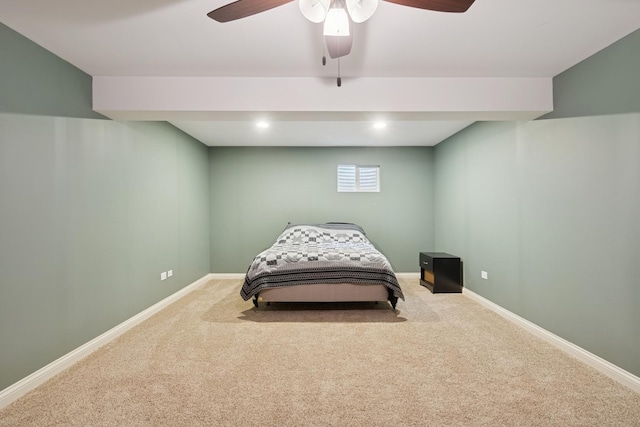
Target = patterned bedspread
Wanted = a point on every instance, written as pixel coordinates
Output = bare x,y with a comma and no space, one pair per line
319,253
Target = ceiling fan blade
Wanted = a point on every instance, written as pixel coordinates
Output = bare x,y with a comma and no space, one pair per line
437,5
243,8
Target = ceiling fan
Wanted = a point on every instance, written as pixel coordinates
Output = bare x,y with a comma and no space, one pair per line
336,15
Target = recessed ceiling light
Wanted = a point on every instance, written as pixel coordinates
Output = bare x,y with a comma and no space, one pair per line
379,125
263,125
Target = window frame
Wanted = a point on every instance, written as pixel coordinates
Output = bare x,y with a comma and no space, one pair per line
356,184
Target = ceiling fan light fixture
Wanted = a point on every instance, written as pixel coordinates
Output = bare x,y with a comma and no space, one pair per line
314,10
361,10
337,21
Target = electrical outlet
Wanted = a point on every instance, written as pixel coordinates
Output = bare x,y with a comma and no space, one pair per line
484,275
169,273
163,275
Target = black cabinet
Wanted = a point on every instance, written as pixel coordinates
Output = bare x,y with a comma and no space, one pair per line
441,272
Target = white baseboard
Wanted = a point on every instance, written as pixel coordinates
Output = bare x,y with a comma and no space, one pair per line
408,275
17,390
607,368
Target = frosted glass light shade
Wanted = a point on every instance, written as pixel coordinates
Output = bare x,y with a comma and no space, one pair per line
314,10
336,22
361,10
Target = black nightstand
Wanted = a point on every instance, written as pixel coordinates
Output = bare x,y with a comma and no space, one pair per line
441,272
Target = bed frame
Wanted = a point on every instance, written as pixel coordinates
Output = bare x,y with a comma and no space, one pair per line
327,292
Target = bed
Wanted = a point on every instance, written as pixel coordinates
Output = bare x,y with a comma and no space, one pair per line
331,262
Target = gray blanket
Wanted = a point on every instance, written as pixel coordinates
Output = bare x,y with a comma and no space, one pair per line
320,253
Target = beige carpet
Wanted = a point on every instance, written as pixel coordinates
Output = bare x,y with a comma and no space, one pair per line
212,359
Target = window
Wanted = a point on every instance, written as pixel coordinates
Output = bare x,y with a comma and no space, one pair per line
356,178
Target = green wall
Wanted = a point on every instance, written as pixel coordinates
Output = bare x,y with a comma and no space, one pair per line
550,208
256,191
91,211
35,81
605,83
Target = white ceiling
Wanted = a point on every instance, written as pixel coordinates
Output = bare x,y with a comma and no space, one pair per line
498,39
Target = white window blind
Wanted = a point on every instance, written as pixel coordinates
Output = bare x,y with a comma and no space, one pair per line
356,178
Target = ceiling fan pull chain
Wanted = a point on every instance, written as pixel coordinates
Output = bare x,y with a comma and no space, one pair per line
324,54
339,80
